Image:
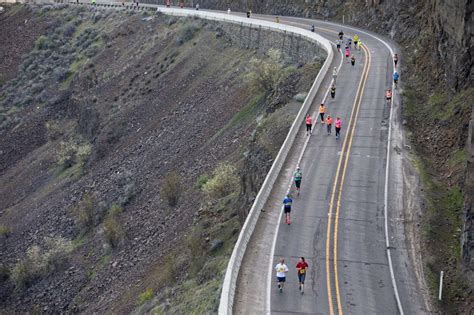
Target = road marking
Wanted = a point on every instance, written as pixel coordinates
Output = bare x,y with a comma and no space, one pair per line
387,173
338,186
277,226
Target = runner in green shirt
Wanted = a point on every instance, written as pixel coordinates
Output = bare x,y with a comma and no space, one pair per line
298,176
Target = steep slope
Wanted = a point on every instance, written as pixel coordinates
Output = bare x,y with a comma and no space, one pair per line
124,138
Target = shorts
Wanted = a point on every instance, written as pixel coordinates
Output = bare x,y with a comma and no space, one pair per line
355,42
287,209
281,279
297,183
338,46
308,127
389,99
301,277
395,81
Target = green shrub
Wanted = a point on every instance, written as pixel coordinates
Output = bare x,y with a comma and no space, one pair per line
188,31
41,262
73,152
21,274
145,296
201,181
224,181
53,130
266,74
300,97
84,212
115,210
5,231
112,228
43,42
171,188
169,270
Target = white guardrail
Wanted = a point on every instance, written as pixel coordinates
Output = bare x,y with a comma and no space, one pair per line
230,280
232,272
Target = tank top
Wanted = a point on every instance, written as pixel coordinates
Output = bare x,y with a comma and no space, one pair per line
338,123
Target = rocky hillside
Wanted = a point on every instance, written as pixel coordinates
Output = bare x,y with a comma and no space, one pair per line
436,49
130,147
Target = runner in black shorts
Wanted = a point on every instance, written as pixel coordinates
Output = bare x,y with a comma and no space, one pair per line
309,124
287,207
301,268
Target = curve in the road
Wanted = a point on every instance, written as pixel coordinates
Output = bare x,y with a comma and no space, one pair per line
386,233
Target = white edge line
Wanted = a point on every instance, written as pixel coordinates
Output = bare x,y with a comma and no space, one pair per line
387,173
277,226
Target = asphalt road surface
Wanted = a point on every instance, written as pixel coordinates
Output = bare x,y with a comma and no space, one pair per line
338,219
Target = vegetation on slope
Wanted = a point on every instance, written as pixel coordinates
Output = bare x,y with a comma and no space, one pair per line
125,140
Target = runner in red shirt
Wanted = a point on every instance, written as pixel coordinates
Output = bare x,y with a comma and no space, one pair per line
301,268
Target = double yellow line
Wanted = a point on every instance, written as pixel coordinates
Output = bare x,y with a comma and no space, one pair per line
333,215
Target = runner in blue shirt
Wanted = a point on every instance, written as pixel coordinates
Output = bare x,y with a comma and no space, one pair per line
287,207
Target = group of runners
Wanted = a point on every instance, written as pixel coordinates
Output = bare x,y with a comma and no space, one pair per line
328,121
302,266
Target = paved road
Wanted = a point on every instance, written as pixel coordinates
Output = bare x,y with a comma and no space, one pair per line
363,284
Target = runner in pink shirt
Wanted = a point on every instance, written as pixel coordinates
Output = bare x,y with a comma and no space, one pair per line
337,125
309,123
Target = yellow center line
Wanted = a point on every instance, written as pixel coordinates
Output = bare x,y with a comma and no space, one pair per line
336,225
343,159
348,138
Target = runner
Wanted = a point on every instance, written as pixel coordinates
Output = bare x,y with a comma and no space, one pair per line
281,270
338,45
329,124
287,206
395,59
353,60
197,6
301,267
347,53
298,176
333,91
312,28
322,110
349,41
388,96
309,124
338,127
334,75
395,78
248,13
359,45
356,40
341,35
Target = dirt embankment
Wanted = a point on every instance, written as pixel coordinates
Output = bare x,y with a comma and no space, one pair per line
113,130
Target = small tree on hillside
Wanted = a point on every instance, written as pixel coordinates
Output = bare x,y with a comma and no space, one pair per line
266,74
171,189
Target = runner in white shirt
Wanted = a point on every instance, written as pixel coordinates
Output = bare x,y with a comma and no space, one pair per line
281,270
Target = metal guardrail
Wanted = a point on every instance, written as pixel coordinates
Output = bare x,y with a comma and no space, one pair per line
233,267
